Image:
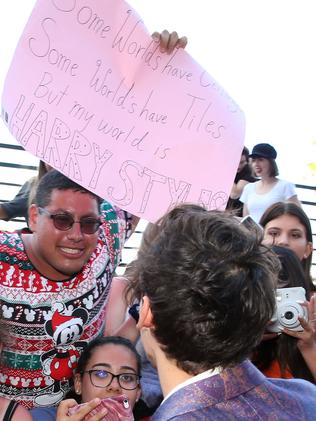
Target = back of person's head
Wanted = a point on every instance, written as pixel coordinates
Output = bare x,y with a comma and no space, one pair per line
55,180
291,274
288,208
210,284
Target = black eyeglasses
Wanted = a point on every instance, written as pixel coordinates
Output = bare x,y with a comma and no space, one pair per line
103,378
65,221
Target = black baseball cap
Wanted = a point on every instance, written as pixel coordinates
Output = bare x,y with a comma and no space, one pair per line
263,150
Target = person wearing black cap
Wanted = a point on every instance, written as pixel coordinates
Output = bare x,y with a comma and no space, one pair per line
258,196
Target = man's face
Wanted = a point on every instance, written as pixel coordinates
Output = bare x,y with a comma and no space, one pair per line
59,254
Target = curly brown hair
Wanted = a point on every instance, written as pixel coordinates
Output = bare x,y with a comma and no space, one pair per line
210,284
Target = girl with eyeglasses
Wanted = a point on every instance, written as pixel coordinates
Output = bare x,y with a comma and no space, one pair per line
108,367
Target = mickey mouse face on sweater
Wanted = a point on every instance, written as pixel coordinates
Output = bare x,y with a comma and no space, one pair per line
66,329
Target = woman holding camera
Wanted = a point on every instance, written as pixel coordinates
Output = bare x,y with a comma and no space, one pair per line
290,353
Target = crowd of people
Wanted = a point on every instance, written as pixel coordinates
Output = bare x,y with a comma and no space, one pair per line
185,333
58,302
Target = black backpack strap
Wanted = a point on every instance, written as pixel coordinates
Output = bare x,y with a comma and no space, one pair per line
10,411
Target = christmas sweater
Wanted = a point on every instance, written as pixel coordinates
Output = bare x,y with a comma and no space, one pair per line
50,322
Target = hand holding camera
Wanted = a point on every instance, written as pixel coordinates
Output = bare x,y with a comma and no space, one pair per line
288,310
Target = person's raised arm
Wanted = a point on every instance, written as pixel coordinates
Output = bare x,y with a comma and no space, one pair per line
116,323
238,188
116,306
18,205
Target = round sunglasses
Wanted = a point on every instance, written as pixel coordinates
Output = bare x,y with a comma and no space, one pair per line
65,221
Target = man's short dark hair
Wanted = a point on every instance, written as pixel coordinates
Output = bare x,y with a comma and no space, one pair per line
211,284
56,180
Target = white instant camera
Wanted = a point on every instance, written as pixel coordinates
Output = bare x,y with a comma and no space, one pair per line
288,309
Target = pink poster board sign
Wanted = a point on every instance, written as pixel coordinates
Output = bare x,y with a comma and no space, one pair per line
90,93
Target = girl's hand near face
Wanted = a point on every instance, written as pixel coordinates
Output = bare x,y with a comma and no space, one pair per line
63,411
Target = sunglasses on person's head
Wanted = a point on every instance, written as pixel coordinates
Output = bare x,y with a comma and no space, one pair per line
65,221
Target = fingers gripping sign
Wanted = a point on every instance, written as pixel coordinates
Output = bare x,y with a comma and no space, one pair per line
169,41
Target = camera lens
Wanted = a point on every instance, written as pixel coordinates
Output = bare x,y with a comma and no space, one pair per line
288,315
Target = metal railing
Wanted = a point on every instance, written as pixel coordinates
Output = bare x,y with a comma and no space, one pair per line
12,183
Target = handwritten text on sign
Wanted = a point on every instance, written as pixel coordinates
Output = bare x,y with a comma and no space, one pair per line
90,92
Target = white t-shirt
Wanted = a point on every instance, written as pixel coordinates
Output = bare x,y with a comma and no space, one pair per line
258,203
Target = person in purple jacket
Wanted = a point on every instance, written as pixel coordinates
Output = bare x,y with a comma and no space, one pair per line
206,286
